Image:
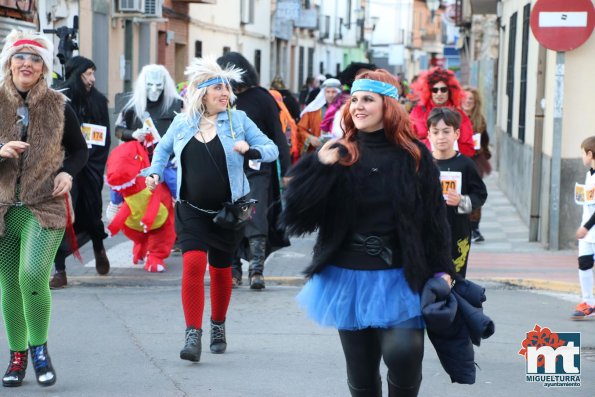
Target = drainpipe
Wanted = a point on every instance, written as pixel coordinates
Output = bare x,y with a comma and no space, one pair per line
128,39
536,165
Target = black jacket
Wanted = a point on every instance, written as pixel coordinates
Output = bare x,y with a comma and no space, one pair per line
321,197
455,322
261,107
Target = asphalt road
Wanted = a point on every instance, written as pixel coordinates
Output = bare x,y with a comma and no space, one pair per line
124,341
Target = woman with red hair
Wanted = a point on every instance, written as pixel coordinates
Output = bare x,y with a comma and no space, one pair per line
375,199
436,88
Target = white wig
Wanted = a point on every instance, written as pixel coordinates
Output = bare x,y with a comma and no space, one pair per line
17,40
138,100
201,70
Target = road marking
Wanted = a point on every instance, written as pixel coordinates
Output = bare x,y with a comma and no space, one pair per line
120,256
561,19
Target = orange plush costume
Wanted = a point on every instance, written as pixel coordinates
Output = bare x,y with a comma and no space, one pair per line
145,218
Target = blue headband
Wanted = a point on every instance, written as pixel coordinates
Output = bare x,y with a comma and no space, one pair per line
213,81
375,86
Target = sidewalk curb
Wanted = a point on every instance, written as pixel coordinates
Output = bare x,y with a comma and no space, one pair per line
536,284
154,279
298,281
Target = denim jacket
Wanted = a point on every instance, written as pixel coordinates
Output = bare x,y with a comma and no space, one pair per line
184,127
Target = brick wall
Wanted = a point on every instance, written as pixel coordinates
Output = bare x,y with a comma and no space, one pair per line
177,15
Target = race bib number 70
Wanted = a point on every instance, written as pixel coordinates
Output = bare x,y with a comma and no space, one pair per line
451,180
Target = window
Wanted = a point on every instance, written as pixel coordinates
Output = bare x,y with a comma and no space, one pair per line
310,61
510,72
338,27
348,13
325,27
247,11
257,55
524,56
301,61
226,50
321,67
198,49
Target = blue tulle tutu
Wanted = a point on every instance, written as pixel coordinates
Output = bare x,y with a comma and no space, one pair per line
356,299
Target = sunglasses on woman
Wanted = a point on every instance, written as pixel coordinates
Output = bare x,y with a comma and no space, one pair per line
436,90
21,57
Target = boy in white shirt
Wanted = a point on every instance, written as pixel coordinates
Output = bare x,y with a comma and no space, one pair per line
586,238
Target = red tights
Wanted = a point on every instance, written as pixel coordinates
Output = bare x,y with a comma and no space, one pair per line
193,289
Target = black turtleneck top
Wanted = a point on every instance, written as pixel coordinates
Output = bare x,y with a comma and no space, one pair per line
375,213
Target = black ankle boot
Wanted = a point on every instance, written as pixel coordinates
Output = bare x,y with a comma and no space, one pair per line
373,391
102,264
44,371
16,369
398,391
193,345
218,342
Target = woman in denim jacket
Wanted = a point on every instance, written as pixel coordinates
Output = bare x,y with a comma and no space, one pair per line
210,143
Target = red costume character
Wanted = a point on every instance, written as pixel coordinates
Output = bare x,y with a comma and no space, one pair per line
145,218
435,88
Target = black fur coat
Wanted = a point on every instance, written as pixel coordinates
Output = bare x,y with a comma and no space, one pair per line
321,197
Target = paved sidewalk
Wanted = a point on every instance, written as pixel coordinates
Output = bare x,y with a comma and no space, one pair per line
507,255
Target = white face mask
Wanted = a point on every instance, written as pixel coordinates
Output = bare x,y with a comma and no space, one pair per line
155,83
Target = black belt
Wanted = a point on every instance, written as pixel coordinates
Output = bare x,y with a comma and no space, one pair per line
380,246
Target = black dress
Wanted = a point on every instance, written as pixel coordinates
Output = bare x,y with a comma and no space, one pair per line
88,184
205,185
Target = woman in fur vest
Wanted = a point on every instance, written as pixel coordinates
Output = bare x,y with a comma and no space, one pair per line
375,199
37,126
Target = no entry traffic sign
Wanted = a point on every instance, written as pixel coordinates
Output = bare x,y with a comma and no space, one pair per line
562,25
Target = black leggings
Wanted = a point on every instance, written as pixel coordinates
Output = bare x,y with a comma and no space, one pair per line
401,348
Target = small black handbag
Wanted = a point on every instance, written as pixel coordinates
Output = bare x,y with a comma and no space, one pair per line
233,215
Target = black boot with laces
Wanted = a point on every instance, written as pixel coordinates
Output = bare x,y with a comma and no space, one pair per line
16,369
218,342
193,346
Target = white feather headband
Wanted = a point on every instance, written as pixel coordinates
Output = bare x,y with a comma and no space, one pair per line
17,40
200,71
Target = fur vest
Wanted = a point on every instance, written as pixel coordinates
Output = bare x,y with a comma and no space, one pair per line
41,162
321,197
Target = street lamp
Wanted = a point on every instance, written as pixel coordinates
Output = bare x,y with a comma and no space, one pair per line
433,5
